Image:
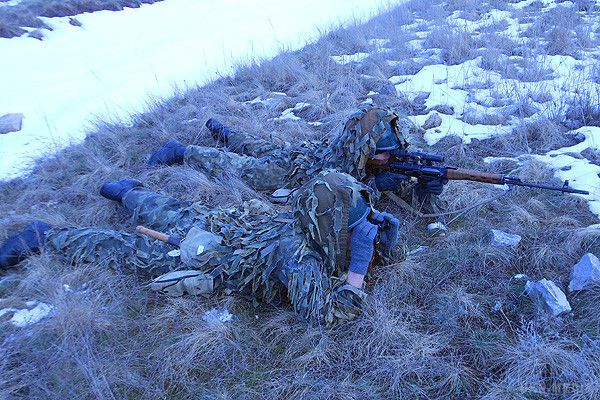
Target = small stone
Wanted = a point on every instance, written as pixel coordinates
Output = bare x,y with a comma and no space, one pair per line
417,250
12,122
555,300
36,34
444,109
215,316
433,121
281,195
74,22
503,239
586,273
437,226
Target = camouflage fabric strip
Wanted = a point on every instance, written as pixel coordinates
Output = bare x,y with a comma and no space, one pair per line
253,146
253,242
266,173
108,248
321,299
160,212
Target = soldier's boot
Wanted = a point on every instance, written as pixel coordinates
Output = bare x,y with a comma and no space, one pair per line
114,190
170,153
17,247
218,131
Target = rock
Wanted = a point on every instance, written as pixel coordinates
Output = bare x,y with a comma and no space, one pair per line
591,154
555,300
74,21
216,316
281,196
585,273
503,239
437,226
444,109
37,34
11,122
433,121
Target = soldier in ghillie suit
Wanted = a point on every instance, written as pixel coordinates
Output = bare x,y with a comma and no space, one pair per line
315,257
370,133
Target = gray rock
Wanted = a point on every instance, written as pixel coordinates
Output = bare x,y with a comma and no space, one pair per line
444,109
591,154
585,273
37,34
11,123
74,22
503,239
433,121
555,300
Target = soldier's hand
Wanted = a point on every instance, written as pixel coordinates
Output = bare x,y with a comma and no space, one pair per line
389,227
362,246
390,181
431,185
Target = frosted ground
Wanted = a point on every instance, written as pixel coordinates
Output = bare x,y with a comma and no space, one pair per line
499,86
77,74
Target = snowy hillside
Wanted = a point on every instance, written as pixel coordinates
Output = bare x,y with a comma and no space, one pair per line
113,64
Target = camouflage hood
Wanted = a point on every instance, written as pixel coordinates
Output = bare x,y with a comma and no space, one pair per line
321,209
350,151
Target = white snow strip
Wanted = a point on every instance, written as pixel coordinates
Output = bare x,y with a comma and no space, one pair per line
10,3
118,62
348,58
455,127
24,318
378,43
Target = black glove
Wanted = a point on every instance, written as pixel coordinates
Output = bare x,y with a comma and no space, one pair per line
390,181
388,228
430,185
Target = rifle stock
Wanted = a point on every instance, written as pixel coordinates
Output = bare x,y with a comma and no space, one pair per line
461,174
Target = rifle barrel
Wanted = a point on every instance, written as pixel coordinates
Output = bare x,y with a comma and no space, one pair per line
565,188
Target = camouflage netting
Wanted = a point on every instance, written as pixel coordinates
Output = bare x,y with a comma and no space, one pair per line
351,150
321,210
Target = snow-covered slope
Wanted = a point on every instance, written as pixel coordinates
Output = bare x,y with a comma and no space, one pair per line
118,61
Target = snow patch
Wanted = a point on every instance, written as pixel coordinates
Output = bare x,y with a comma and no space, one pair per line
23,318
215,316
349,58
123,61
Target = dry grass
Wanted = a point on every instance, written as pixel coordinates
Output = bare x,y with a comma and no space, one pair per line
445,322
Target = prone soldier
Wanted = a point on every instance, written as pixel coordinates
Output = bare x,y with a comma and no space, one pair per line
316,257
369,134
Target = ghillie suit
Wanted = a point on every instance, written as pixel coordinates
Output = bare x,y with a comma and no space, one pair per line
275,258
267,166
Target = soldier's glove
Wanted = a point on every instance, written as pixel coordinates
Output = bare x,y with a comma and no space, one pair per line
362,246
390,181
389,227
430,185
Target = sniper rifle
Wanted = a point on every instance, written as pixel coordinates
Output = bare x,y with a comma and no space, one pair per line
421,165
